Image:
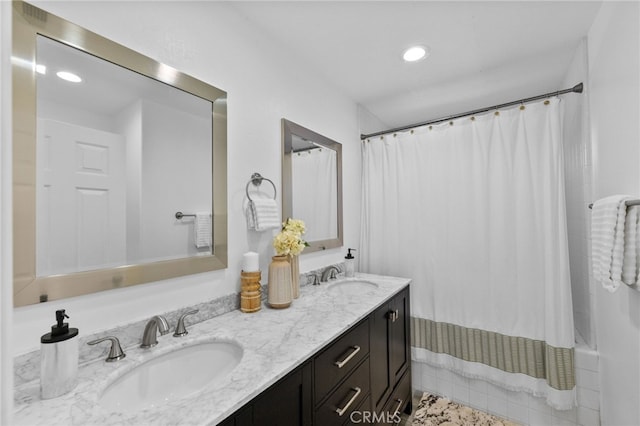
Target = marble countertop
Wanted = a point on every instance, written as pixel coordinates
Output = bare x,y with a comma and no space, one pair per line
274,341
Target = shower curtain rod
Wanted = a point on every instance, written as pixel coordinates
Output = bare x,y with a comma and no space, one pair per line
575,89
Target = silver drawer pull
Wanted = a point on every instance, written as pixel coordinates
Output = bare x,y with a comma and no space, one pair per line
341,411
342,363
393,315
398,407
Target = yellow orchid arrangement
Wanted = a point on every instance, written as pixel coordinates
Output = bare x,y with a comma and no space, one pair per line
289,241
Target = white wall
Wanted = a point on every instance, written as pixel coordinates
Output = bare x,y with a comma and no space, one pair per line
264,83
614,72
6,269
578,190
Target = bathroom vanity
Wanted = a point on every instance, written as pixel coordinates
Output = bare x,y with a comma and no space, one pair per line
366,370
342,345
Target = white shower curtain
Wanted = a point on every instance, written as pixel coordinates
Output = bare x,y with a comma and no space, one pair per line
473,211
315,171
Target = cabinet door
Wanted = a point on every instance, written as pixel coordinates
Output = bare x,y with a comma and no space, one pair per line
399,339
390,351
381,385
287,403
399,401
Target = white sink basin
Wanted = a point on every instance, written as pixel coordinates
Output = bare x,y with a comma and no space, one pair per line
171,376
351,287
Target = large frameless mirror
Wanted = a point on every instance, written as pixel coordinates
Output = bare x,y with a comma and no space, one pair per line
119,164
312,184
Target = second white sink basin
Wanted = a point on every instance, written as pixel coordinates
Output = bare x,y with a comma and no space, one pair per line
351,287
172,375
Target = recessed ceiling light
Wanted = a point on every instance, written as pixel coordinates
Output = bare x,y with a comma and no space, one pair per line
41,69
69,76
415,53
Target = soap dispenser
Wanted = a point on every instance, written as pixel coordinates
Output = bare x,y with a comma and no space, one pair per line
58,359
349,264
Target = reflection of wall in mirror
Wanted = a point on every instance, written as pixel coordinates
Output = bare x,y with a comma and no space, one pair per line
315,192
168,170
176,176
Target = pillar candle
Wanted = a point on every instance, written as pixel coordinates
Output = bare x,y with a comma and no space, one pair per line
251,262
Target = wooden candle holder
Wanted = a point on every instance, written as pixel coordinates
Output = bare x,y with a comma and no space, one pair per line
251,290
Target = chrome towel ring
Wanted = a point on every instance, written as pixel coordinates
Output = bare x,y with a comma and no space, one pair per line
256,180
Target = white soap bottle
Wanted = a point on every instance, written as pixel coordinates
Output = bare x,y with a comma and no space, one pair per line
349,264
58,359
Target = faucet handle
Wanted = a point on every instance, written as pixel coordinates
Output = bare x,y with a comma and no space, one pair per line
115,353
316,279
181,330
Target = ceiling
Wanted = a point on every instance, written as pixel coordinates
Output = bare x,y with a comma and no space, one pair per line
482,53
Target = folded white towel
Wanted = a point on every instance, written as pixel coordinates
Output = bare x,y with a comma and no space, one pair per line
607,235
631,246
263,214
202,231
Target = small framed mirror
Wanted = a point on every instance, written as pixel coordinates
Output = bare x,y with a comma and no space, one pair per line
312,184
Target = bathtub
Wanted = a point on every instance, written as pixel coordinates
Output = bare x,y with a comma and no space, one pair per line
519,407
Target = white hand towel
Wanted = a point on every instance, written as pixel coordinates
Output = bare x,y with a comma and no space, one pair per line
202,231
631,242
607,235
263,214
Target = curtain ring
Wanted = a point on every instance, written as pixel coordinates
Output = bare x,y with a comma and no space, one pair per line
497,113
546,102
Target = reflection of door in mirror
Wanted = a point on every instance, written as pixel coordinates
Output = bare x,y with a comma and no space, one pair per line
80,211
314,171
118,154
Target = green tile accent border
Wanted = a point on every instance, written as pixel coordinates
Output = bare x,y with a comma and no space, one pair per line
512,354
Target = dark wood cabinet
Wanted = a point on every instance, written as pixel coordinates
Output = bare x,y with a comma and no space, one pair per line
390,353
346,398
361,377
286,403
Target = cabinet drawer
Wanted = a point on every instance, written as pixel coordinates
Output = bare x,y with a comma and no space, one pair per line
335,363
399,399
362,415
346,398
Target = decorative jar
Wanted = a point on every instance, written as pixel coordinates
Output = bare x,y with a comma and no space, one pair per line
279,295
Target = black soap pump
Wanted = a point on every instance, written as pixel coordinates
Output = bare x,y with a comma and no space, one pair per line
349,264
58,358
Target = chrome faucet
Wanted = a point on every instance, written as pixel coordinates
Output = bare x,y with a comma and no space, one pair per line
115,353
150,336
329,273
181,330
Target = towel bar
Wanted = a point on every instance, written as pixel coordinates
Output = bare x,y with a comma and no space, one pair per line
256,180
180,215
628,203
